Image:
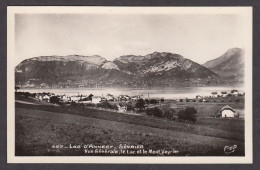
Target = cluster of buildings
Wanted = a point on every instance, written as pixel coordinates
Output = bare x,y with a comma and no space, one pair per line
120,101
87,98
127,98
225,94
67,99
220,94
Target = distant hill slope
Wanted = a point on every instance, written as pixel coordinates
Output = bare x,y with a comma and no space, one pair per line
230,65
163,65
68,71
156,69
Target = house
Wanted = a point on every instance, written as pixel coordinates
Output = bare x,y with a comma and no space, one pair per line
198,97
46,97
234,92
110,97
123,98
122,108
39,96
64,99
227,111
135,97
103,99
75,98
43,85
204,100
224,94
214,94
120,97
96,99
127,97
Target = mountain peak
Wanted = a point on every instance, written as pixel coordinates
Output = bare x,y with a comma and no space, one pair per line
163,55
232,52
235,49
229,65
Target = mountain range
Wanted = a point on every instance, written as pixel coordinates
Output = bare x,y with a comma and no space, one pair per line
155,69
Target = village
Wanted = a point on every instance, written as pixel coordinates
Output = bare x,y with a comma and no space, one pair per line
214,121
223,103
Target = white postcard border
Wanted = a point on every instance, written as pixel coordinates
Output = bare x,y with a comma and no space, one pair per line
11,158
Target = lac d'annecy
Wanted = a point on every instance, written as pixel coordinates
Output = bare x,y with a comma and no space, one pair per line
156,92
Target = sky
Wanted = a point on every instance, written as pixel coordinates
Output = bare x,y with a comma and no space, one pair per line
197,37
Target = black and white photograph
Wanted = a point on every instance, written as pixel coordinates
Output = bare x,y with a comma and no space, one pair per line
129,84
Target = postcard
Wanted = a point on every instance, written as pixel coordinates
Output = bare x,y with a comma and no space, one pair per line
160,85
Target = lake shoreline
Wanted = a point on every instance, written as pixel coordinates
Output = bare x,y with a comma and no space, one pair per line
158,92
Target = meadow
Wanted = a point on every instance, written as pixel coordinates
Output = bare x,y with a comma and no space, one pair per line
40,126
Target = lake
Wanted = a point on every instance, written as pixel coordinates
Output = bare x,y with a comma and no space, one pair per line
158,92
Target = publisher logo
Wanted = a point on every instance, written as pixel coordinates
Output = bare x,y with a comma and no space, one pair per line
230,149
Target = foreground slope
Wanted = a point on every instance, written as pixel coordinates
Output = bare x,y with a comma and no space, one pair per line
37,131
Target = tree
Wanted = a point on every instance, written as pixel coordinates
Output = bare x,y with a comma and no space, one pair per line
90,96
73,103
148,112
26,95
140,104
55,99
170,113
153,101
106,105
154,112
237,100
157,112
189,114
129,107
103,105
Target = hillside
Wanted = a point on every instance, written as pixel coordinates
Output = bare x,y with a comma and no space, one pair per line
70,125
72,71
230,66
156,69
164,68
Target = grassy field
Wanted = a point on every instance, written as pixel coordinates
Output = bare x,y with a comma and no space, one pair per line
212,106
39,127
